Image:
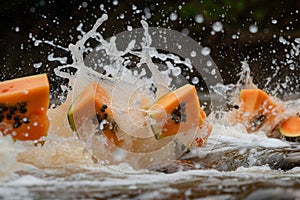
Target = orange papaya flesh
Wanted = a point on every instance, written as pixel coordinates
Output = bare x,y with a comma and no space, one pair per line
290,127
255,108
23,107
178,111
93,105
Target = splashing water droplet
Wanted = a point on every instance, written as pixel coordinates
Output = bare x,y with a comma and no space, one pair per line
283,41
37,65
84,4
199,19
195,80
205,51
193,54
297,40
274,21
134,7
173,16
235,36
292,67
209,63
115,2
213,72
253,28
122,16
101,7
217,26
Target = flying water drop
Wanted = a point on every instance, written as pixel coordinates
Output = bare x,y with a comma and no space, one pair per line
199,19
253,28
205,51
217,26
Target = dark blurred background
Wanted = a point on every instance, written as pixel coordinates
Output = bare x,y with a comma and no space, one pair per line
251,31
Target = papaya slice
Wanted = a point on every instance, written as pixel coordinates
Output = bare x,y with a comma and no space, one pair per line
93,104
23,107
290,127
178,111
255,109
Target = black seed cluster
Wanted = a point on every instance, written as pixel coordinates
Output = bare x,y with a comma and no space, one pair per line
14,113
102,115
179,115
153,88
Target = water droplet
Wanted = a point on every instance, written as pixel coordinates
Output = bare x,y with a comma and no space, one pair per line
26,134
32,9
185,31
84,4
173,16
42,3
213,72
292,67
101,7
122,16
195,80
199,18
37,65
129,28
25,92
205,51
209,63
176,71
134,7
282,40
115,2
235,36
274,21
35,124
193,54
217,26
297,40
17,29
253,28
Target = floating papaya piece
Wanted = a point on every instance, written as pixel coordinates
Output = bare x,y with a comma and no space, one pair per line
93,104
255,109
178,111
23,107
290,127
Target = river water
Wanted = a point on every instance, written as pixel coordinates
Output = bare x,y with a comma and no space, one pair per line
231,165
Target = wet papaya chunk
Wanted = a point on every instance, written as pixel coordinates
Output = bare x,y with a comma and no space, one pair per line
255,109
290,127
23,107
93,105
178,111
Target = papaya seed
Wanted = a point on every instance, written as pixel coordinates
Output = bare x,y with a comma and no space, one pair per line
23,110
236,107
8,116
17,118
1,117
